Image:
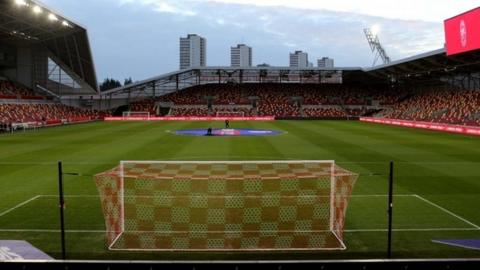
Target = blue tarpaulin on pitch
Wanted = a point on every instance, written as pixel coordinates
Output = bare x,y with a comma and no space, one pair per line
229,132
463,243
13,250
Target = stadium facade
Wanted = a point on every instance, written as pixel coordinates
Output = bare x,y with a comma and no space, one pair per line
44,50
50,53
430,68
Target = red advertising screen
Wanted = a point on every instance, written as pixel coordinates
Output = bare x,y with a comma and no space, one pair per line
462,32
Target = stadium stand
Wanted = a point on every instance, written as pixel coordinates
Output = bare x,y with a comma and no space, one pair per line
322,101
147,105
332,101
19,104
48,113
327,112
11,90
279,100
439,106
185,111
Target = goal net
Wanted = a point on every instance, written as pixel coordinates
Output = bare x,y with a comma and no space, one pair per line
225,205
136,115
230,114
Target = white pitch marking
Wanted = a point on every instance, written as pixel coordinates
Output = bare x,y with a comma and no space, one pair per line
476,227
413,230
19,205
346,231
70,196
447,211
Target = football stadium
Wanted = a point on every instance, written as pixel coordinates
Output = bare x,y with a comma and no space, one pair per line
231,167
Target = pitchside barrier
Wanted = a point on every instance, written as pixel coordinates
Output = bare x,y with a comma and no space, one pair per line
190,118
450,264
468,130
225,205
230,114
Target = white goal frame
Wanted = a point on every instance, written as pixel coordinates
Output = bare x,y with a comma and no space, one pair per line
136,115
129,232
332,198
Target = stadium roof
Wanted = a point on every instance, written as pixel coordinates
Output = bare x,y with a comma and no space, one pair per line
434,63
429,65
31,22
180,79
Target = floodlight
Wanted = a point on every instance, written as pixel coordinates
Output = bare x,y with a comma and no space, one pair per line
52,17
375,29
21,2
65,23
37,10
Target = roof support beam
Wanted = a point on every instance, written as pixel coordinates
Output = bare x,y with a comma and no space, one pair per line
79,59
69,55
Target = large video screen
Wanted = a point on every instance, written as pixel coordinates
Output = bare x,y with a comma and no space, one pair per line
462,32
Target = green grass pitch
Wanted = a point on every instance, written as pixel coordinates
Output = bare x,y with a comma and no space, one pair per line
437,182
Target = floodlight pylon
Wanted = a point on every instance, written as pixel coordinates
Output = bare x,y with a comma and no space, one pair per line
376,47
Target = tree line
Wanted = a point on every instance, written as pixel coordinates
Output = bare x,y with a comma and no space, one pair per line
110,83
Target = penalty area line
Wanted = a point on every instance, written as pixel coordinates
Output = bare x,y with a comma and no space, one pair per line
412,230
19,205
447,211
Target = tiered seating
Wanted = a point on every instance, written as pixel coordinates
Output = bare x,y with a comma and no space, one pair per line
312,94
280,100
278,109
189,111
247,112
452,107
234,96
10,90
327,112
359,112
22,105
147,105
190,96
45,113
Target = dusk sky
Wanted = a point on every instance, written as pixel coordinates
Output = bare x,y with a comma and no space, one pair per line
140,38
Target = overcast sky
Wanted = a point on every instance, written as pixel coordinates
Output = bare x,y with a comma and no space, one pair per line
140,38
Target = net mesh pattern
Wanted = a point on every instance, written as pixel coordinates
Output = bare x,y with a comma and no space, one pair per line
225,206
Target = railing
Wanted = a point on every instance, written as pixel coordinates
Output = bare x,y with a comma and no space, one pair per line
451,264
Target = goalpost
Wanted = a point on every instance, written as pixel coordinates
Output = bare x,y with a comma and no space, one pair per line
230,114
225,205
136,115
